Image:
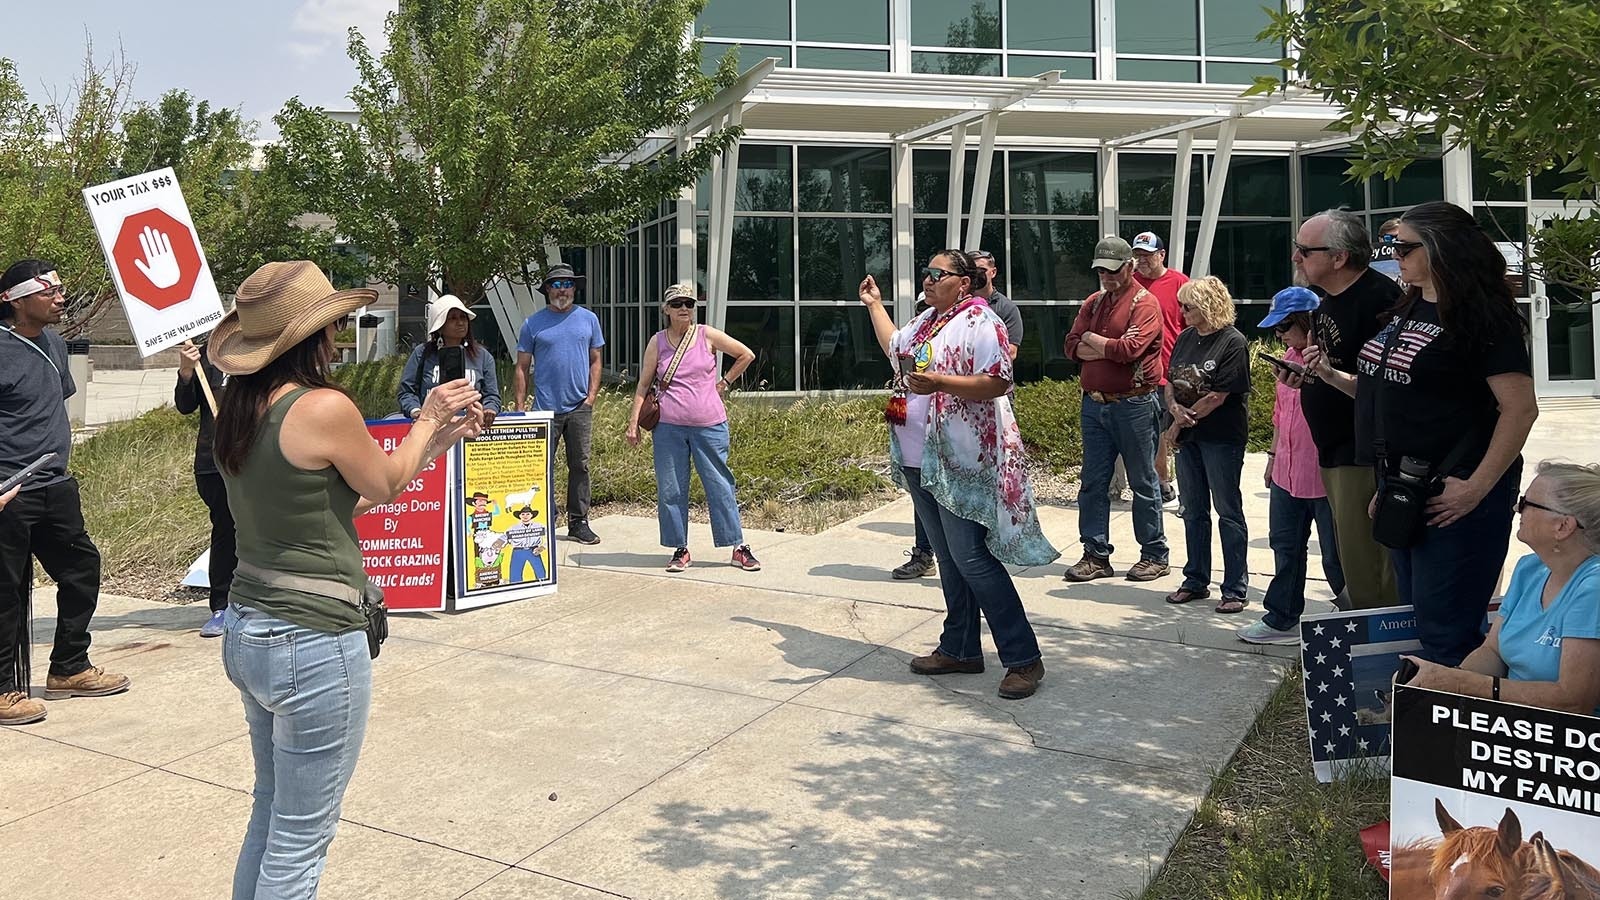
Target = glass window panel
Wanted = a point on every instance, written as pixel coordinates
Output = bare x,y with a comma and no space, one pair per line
1169,27
749,54
1232,26
1250,316
653,288
769,331
1240,73
1050,259
834,58
1044,333
1486,185
1144,184
702,191
1547,185
928,237
930,180
1257,186
761,266
1569,334
764,179
1421,181
841,21
1324,185
956,63
1058,184
1174,70
955,23
702,245
1252,258
1163,227
845,179
835,254
1050,25
760,19
630,344
1080,68
839,351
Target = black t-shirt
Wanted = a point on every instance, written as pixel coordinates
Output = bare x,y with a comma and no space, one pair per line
1343,323
1204,364
1435,391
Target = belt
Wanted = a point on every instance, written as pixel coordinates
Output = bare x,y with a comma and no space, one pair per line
1103,397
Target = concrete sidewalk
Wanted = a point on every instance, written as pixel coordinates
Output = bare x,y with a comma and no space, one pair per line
117,394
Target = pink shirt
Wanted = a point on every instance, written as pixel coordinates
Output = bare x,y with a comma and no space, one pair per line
692,398
1294,463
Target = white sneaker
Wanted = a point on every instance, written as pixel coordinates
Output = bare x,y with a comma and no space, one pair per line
1259,632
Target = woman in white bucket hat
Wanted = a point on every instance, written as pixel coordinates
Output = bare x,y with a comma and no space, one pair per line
449,325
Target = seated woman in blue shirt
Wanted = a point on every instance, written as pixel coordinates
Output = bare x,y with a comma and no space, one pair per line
449,325
1546,642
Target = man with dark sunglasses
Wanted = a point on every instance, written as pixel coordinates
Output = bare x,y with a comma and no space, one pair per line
561,345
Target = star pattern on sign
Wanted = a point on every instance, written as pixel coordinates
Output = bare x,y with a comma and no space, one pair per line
1350,627
1362,743
1334,643
1320,658
1340,699
1338,671
1333,696
1316,630
1322,688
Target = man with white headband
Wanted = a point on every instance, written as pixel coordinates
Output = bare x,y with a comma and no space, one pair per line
45,520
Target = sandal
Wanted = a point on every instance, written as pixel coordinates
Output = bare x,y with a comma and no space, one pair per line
1230,605
1185,595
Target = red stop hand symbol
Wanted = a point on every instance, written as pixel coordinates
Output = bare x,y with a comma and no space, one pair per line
157,258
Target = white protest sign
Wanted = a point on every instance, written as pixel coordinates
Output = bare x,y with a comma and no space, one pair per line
155,259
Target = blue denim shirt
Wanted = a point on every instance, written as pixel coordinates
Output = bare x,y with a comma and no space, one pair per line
417,380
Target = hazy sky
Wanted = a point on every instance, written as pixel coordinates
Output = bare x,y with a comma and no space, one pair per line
248,54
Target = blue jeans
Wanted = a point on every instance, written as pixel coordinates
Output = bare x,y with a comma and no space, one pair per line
972,581
1289,520
1208,475
1130,429
521,560
1449,575
306,697
707,445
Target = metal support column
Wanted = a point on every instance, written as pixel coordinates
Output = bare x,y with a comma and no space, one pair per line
686,229
1109,193
1178,240
905,262
980,184
958,174
725,185
1458,176
1214,186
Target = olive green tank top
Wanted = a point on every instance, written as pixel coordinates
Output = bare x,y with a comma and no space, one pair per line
292,520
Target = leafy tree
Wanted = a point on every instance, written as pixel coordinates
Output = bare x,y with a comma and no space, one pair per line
489,128
1514,79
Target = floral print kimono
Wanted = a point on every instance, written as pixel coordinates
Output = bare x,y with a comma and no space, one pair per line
973,462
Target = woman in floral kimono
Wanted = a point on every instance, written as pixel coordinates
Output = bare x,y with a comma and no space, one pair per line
958,452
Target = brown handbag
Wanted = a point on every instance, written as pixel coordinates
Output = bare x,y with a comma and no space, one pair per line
650,412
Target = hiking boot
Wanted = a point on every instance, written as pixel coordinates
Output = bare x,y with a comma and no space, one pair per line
921,563
91,682
680,560
1148,570
1022,682
1260,632
213,626
937,663
1089,568
17,708
582,533
744,559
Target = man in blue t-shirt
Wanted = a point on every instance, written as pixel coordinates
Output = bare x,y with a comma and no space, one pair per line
561,343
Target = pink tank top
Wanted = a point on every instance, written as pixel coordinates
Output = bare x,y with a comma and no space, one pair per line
691,399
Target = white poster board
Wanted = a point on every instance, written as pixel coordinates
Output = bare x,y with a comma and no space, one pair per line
155,259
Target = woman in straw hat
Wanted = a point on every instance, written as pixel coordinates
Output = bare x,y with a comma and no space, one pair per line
299,466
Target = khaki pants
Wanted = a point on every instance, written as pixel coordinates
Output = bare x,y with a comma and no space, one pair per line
1368,572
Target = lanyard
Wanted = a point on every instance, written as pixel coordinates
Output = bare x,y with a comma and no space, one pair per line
37,349
928,332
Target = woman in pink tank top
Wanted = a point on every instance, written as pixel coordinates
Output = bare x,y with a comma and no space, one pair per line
694,426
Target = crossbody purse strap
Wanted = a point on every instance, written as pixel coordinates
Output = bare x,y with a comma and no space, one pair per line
683,347
321,587
1380,407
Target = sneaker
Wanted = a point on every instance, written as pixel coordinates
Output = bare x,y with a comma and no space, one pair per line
1021,682
1169,495
937,663
582,533
17,708
744,559
921,563
680,560
91,682
1259,632
1089,568
213,626
1148,570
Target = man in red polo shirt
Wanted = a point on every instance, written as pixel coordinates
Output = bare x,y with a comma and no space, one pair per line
1150,270
1117,339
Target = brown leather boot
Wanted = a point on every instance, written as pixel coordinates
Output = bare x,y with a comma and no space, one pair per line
937,663
91,682
1022,682
17,708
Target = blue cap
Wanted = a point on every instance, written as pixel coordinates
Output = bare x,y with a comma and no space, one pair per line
1288,301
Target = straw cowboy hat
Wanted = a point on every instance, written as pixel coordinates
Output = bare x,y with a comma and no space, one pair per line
439,310
277,307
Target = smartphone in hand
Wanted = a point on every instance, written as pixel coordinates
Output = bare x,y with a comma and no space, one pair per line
905,363
452,364
26,472
1283,364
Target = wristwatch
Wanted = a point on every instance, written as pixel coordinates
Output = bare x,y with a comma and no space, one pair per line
416,411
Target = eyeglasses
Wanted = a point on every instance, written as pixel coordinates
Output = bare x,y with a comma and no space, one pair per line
682,303
1402,249
562,282
1303,250
1523,503
935,275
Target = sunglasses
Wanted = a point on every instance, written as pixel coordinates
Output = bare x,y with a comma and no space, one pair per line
1402,249
562,282
1523,503
1281,329
682,303
935,275
981,254
1303,250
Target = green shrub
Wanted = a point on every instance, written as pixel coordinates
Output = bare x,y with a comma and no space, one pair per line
1048,414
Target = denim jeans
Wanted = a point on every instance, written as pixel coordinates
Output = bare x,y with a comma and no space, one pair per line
1208,475
972,581
46,524
576,429
1289,520
1129,429
921,540
1449,576
306,697
673,447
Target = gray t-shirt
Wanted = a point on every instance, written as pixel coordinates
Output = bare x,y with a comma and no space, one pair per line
33,411
1009,314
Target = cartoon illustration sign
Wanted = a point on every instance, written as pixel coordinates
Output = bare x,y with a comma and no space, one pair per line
503,536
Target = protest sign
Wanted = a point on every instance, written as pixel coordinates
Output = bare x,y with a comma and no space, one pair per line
404,542
1349,659
504,533
1492,794
155,259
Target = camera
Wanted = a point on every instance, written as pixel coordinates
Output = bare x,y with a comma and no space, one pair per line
1402,504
